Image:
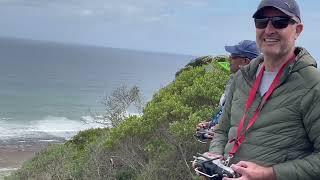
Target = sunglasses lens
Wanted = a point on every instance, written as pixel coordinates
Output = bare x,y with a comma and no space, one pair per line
261,23
280,22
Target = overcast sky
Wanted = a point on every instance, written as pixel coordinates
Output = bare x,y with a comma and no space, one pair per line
193,27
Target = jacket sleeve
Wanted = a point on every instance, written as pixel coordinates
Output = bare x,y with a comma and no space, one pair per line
309,166
220,139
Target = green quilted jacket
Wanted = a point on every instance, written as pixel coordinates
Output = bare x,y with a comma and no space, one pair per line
286,135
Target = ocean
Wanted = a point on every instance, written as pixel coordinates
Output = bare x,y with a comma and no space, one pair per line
47,89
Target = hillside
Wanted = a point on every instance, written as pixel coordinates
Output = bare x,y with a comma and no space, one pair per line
157,145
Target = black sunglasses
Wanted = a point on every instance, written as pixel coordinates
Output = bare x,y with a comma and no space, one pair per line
277,22
236,56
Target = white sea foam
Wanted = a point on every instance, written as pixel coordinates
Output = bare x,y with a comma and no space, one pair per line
61,127
51,126
7,169
47,140
11,129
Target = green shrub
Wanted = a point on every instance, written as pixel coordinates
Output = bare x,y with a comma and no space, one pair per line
82,139
126,174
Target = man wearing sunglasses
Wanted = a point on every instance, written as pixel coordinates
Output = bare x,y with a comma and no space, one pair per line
270,127
241,54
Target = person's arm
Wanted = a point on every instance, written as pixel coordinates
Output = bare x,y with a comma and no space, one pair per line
309,166
221,131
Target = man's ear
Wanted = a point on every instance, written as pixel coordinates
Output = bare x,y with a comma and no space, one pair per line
299,29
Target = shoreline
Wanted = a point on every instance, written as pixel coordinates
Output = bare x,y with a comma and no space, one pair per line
14,152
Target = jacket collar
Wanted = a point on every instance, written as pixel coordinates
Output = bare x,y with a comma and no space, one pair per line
303,59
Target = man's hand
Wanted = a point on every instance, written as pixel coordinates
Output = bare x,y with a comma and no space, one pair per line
208,155
211,155
203,125
252,171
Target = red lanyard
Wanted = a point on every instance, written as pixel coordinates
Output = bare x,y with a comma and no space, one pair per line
240,133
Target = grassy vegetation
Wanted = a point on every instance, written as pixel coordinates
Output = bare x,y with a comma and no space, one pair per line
157,145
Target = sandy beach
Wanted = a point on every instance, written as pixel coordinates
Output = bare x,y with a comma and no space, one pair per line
14,152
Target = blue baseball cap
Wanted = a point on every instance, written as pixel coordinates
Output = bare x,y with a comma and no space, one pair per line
288,7
245,48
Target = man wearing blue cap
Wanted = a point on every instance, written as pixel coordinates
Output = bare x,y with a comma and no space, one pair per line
240,55
270,127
